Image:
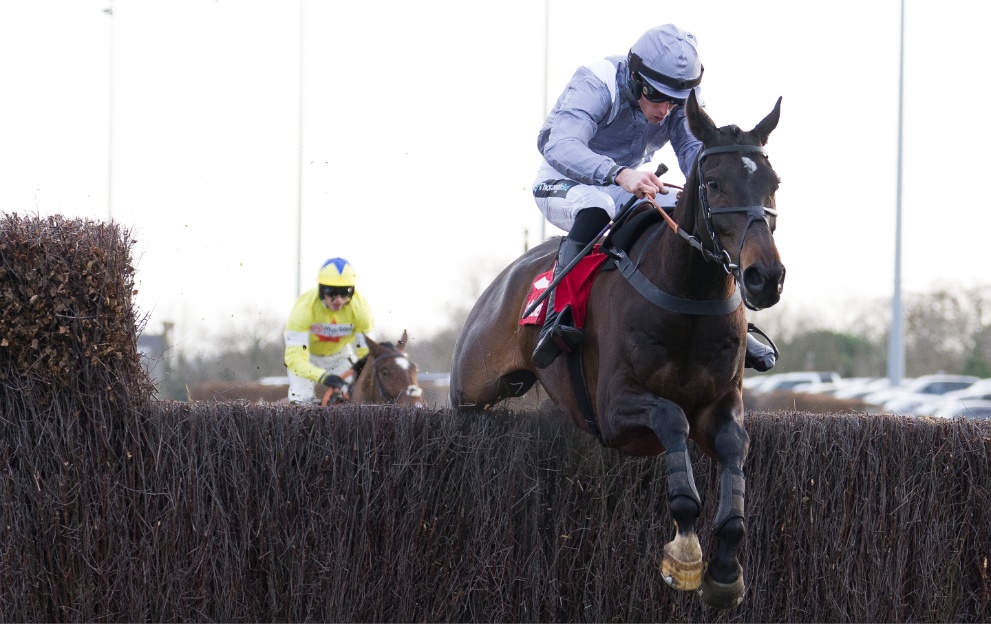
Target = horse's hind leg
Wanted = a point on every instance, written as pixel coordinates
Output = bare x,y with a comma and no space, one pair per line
723,586
681,566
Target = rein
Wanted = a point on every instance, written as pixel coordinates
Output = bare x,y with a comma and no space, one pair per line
718,255
691,240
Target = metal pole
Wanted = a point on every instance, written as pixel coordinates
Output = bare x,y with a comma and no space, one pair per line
896,337
299,166
547,21
110,120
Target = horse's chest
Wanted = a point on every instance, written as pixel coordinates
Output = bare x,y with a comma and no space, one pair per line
701,361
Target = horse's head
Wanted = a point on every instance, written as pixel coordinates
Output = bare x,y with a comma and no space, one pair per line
732,187
393,374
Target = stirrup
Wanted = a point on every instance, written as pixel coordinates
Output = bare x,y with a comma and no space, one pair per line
556,336
760,356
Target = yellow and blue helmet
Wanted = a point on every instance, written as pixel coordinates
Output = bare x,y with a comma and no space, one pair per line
336,278
337,272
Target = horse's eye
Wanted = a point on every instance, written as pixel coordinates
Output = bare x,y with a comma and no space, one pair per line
712,185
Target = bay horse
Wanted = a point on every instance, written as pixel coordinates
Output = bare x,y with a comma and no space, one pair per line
385,376
662,359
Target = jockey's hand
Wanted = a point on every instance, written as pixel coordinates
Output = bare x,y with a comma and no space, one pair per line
332,381
641,183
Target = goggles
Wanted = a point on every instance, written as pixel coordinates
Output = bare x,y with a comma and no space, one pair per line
655,96
345,292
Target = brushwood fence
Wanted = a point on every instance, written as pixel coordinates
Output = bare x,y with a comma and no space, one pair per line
116,507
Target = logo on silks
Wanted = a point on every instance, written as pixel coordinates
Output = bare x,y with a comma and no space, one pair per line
332,331
553,188
540,284
573,290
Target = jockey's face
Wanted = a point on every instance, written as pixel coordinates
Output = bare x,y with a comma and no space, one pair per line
336,302
655,112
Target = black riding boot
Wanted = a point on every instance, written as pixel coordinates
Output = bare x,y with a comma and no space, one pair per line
759,356
558,333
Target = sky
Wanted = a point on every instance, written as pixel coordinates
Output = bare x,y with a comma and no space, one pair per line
244,142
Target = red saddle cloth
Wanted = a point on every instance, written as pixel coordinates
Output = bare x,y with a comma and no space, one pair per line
573,290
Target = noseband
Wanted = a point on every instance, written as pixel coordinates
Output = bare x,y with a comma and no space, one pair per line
412,390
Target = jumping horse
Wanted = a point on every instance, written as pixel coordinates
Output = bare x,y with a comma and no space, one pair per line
385,376
665,331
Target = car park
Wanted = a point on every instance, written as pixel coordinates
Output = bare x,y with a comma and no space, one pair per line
921,391
859,387
975,409
978,391
787,382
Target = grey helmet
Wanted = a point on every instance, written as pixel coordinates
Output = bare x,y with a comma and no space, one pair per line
664,64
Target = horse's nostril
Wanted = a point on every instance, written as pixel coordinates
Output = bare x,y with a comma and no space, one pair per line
754,278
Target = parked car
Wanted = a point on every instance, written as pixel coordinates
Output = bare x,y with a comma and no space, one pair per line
754,382
922,390
970,409
787,382
830,388
860,387
978,391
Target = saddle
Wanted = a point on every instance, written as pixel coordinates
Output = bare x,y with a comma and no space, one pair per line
574,288
572,291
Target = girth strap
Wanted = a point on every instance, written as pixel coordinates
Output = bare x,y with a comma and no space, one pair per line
661,299
576,372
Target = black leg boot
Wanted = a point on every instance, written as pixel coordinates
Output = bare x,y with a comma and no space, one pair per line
558,333
760,357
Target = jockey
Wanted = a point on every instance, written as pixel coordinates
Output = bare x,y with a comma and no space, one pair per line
326,327
612,117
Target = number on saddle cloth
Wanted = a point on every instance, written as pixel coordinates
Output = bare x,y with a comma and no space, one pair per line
572,290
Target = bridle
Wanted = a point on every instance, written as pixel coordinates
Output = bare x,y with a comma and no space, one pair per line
412,390
718,253
753,212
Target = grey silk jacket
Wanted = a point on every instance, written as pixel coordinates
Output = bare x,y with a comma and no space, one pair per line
596,127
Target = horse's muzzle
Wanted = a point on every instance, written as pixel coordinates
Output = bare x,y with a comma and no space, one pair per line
763,284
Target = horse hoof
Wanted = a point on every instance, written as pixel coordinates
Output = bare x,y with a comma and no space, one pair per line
722,595
681,567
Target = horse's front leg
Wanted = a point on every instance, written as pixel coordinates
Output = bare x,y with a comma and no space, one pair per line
722,586
681,566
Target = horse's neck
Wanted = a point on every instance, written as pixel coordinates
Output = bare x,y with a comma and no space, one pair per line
365,386
682,269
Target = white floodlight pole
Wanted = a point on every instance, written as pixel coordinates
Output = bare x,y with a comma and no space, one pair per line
110,119
547,28
299,166
896,337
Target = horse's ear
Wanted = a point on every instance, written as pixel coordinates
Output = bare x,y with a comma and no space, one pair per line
373,346
699,122
402,341
763,130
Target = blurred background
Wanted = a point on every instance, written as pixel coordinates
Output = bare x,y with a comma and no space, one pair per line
245,142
